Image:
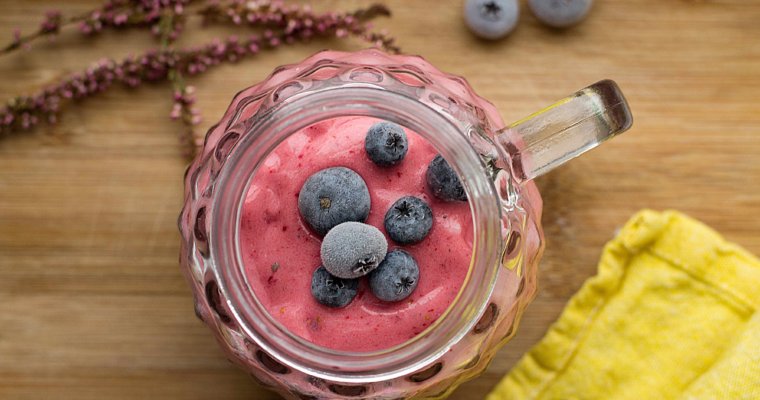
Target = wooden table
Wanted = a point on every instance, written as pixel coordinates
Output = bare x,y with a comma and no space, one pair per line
92,303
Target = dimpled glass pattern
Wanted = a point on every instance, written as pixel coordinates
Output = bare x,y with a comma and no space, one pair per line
506,275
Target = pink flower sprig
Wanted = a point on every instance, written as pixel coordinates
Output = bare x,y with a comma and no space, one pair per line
52,22
290,18
167,18
183,109
24,112
134,13
114,14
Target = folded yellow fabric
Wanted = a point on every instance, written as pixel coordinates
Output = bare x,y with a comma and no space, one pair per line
671,314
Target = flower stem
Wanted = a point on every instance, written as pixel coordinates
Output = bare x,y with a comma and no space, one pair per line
288,25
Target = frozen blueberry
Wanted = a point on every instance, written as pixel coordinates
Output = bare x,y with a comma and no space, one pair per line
491,19
332,291
333,196
386,144
353,249
396,277
408,220
560,13
443,181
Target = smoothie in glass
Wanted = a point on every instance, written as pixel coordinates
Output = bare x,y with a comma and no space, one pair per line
280,252
250,258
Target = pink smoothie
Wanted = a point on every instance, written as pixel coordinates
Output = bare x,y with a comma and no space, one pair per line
281,253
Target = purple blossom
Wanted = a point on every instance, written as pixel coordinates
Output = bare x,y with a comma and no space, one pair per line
283,25
120,19
52,22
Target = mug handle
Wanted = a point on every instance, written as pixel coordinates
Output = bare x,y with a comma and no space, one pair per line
568,128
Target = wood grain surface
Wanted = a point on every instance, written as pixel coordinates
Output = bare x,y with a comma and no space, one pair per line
92,303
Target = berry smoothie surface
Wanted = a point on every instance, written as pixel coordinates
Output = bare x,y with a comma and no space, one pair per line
281,253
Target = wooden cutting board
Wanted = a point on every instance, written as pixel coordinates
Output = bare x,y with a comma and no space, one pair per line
92,303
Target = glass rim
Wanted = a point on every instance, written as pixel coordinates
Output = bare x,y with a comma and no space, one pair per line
303,110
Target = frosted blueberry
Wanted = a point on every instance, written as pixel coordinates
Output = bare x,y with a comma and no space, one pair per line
408,220
333,196
386,144
491,19
560,13
353,249
396,277
443,181
332,291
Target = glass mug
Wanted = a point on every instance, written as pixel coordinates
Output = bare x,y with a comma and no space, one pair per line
495,164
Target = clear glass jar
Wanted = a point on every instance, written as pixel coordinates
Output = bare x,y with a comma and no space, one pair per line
494,163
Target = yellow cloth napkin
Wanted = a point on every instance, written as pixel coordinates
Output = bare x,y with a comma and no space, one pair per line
671,314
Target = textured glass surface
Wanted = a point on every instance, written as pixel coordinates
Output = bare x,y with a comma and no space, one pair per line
520,240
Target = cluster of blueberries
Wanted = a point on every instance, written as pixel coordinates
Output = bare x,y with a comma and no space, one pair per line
335,202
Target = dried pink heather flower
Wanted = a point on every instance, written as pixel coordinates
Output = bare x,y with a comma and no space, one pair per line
120,19
52,22
16,38
284,24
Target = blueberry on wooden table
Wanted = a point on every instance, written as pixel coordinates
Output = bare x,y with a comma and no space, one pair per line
491,19
560,13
